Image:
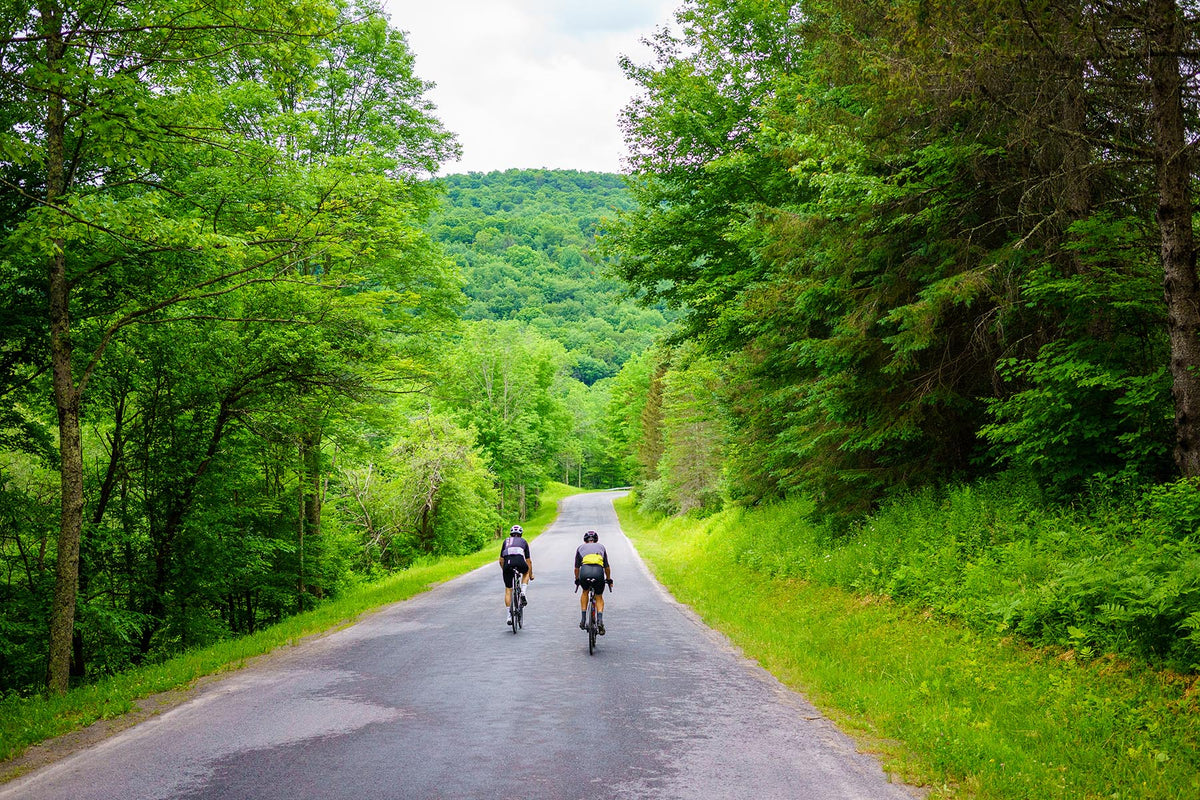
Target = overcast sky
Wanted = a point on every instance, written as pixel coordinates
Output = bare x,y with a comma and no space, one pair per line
530,83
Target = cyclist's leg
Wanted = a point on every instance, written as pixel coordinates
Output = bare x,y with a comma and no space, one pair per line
591,578
513,570
508,588
600,604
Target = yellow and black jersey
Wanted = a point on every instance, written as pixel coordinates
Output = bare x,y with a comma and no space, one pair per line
591,553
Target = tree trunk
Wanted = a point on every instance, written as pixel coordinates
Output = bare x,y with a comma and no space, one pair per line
66,394
86,553
311,458
310,496
301,518
1173,175
1077,156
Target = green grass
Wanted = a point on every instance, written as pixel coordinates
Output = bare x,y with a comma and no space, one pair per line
966,714
27,721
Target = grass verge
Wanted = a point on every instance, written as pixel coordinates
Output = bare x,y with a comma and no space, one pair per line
28,721
966,714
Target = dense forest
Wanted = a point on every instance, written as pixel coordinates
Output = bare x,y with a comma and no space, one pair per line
927,253
253,354
927,243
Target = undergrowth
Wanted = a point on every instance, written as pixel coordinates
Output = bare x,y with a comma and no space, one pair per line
965,713
1120,577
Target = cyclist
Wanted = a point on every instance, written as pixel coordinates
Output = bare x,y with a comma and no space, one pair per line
592,572
515,560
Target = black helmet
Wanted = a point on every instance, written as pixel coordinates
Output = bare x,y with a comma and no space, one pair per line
516,530
591,536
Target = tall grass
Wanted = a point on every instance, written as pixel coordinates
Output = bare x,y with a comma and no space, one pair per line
27,721
1118,577
968,713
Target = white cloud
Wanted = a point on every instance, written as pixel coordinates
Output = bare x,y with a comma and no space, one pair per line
584,17
530,83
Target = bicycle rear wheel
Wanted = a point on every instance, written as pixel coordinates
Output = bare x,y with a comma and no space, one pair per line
592,627
514,609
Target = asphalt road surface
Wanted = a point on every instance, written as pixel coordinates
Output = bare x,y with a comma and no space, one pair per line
434,697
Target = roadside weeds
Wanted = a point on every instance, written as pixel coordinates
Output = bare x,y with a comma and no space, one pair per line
964,715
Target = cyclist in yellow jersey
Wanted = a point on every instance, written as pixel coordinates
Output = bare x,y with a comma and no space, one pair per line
592,572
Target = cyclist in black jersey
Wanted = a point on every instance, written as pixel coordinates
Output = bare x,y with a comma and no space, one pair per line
515,561
592,572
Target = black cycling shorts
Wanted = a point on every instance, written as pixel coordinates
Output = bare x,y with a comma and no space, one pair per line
591,576
513,565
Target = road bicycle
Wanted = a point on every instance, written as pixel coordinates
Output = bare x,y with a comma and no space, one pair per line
591,626
515,609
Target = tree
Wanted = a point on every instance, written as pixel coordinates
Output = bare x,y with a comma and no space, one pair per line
428,492
694,437
1114,94
890,223
628,395
507,384
147,174
1172,57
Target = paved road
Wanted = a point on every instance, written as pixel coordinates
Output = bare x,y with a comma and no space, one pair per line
419,701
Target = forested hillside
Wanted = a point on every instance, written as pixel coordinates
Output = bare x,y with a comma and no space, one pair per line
545,328
525,240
